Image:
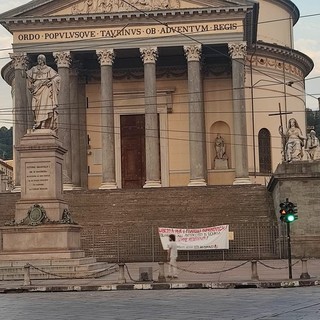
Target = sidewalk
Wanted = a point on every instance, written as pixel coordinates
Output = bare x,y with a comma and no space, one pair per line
191,275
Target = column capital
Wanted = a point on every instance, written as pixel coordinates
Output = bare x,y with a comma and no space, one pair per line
106,57
19,60
237,50
63,59
149,54
193,52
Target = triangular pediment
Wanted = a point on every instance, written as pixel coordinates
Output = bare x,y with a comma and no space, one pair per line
37,8
112,6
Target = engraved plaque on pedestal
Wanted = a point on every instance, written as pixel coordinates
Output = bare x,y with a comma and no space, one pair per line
220,164
42,226
41,157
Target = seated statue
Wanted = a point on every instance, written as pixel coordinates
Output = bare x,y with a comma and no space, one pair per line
293,142
312,144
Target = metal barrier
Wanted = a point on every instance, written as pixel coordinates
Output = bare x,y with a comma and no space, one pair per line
140,241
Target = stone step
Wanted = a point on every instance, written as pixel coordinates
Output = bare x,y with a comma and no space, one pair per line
56,268
116,222
46,262
100,270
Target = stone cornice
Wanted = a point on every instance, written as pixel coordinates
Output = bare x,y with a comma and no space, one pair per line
103,18
292,9
7,73
287,55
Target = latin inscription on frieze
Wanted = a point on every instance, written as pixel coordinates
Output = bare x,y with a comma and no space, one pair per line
126,32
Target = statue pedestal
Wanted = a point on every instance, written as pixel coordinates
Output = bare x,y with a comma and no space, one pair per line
220,164
41,242
41,158
42,227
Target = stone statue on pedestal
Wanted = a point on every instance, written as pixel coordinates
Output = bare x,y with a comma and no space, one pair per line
312,145
293,141
221,159
44,85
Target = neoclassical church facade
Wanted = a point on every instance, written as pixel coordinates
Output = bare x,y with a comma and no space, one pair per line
162,93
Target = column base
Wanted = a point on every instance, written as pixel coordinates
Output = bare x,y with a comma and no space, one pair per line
197,183
68,187
108,186
77,188
238,181
152,184
16,189
305,275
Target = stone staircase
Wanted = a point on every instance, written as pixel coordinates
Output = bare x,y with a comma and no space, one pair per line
55,269
121,225
225,204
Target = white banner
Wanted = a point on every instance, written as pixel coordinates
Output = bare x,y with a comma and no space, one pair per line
211,238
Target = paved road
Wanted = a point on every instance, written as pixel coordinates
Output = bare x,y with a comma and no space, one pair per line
251,304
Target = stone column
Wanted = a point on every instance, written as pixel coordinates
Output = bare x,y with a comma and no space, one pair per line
237,52
75,134
20,105
83,136
196,118
63,60
106,58
149,57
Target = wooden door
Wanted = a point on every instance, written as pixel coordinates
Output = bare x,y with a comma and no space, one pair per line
133,154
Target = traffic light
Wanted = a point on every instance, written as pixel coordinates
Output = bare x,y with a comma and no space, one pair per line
291,213
283,211
288,212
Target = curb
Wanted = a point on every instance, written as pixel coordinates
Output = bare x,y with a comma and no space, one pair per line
164,286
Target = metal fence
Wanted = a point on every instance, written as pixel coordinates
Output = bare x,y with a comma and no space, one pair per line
119,242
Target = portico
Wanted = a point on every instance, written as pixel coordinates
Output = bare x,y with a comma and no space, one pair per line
116,65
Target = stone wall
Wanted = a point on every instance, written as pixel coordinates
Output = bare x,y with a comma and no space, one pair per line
300,182
122,224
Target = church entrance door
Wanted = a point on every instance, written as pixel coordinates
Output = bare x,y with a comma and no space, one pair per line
133,154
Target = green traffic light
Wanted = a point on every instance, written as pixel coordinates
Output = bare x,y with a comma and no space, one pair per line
288,211
290,217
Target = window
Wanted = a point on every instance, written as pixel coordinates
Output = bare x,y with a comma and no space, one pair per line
264,151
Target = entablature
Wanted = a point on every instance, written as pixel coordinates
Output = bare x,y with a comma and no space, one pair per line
15,23
284,55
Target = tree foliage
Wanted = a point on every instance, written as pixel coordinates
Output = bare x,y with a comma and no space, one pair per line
313,121
6,143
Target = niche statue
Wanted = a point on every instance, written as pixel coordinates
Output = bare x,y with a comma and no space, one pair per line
221,158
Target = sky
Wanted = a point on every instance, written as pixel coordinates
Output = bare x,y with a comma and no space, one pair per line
306,37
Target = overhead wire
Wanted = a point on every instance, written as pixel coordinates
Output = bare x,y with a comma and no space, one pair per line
165,24
146,14
207,46
188,36
187,139
98,104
